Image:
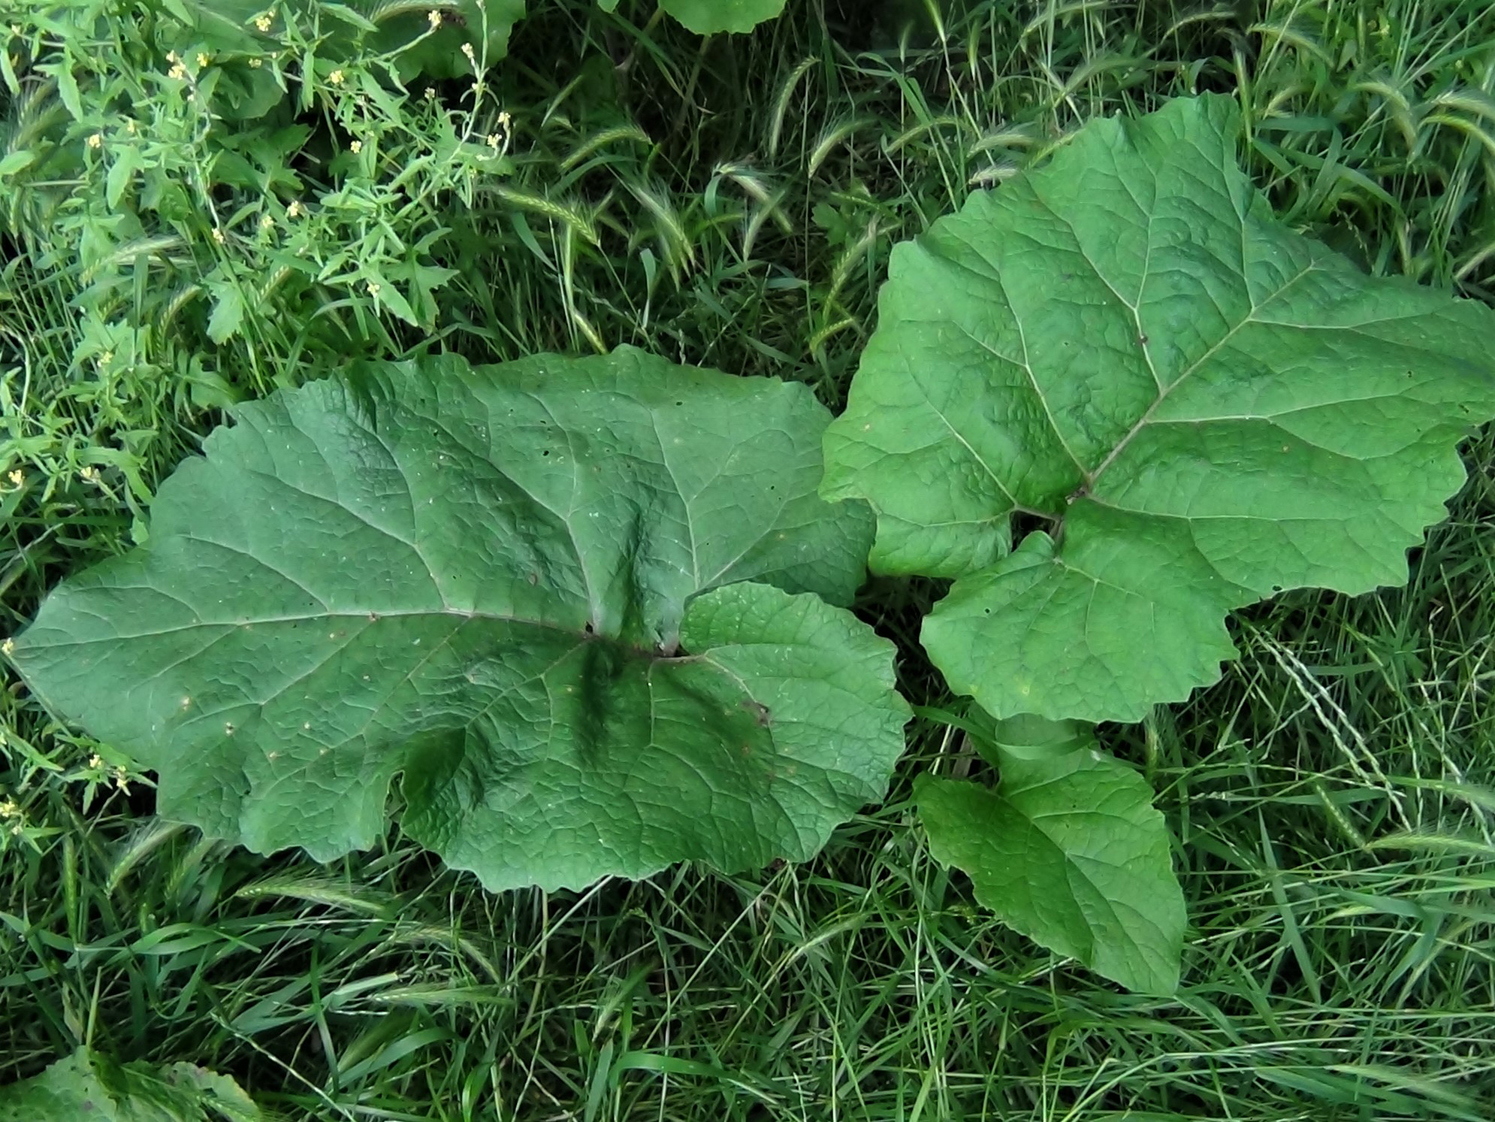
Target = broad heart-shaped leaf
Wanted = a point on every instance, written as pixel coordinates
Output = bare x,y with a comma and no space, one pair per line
575,601
439,53
1070,852
707,17
88,1087
1204,406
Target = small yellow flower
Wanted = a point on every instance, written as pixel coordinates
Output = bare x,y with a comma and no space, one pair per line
267,221
178,72
295,210
105,358
9,808
172,56
202,60
355,146
336,77
433,17
470,53
130,125
17,477
89,474
8,647
430,93
96,762
373,288
256,63
264,22
494,140
218,235
121,778
96,141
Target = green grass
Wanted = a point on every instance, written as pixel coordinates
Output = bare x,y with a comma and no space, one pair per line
1333,798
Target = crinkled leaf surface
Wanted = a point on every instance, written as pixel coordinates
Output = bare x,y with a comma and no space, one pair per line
1069,851
88,1087
707,17
577,602
1204,406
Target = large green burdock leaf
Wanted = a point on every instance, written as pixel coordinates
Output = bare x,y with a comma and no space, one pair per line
1070,852
485,26
1203,406
89,1087
577,602
707,17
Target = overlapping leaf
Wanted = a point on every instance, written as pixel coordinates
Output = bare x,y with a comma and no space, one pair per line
1069,851
1200,407
708,17
576,602
419,39
89,1087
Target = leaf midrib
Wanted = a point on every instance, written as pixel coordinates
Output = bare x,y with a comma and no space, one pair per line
582,636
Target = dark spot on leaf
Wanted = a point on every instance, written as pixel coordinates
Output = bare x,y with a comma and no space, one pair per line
546,452
373,617
1142,339
589,629
761,713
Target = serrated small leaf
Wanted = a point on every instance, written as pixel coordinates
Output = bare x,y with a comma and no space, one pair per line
709,17
67,86
13,162
392,298
1069,851
1204,406
228,310
350,16
121,174
8,72
576,602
